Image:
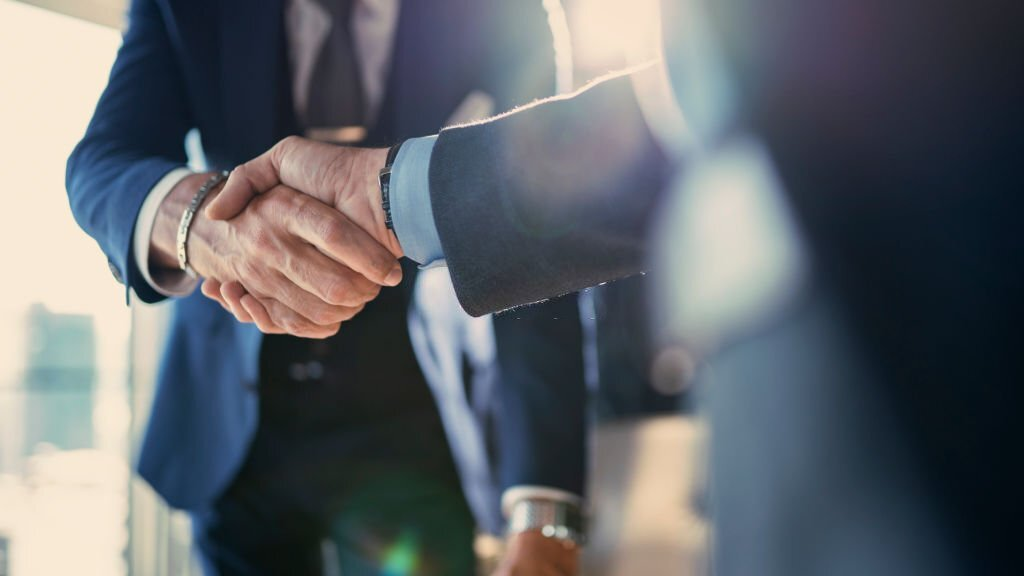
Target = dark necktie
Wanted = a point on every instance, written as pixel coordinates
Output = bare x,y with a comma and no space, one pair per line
335,90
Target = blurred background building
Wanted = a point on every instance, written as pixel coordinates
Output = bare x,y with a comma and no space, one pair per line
59,381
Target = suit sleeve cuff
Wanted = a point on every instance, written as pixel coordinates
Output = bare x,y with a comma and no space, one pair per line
168,283
411,211
517,493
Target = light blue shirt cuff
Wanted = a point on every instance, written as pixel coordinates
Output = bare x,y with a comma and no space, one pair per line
411,212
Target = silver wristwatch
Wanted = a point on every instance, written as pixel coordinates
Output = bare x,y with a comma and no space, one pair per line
558,520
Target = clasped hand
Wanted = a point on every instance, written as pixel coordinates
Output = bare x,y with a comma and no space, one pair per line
295,241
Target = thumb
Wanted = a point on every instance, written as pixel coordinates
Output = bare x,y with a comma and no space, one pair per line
254,177
232,199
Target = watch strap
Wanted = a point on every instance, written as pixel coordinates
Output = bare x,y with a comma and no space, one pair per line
384,180
557,520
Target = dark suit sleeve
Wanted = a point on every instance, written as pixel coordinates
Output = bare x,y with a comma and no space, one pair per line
548,199
136,136
541,424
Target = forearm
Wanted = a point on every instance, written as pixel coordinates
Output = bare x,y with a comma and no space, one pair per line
542,426
106,193
134,140
547,200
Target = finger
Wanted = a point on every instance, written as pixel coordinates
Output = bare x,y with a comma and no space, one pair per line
326,279
345,242
232,293
245,183
255,308
276,316
303,162
211,289
308,306
234,196
279,315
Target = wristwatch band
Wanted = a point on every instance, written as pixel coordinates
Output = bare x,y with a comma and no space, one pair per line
190,212
557,520
384,179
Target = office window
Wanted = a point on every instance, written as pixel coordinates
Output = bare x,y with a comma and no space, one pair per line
64,394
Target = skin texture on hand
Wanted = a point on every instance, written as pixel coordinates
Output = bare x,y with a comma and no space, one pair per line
532,554
285,248
342,177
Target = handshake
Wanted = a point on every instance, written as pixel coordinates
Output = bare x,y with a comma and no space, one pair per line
295,241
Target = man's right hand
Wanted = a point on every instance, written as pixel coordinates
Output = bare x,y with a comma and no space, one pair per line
285,248
342,177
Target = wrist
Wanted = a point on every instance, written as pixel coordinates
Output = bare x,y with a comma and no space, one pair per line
163,242
374,161
410,200
202,233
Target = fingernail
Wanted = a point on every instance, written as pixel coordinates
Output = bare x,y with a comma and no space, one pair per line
394,277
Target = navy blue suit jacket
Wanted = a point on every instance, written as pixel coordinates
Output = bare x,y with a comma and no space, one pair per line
220,66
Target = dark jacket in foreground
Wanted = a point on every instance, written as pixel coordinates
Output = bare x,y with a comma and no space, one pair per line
896,130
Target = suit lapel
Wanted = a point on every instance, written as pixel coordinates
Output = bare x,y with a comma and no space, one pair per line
251,69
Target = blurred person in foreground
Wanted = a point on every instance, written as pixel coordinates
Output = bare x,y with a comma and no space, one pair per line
276,444
841,245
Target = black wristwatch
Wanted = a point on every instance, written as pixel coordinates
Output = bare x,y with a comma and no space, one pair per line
384,179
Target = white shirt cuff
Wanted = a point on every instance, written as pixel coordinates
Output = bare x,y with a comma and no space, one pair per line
517,493
169,283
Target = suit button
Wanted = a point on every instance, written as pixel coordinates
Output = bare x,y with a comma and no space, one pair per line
302,372
672,370
315,370
297,372
115,272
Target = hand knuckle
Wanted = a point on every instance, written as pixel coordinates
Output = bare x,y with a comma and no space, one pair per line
337,315
276,199
323,316
297,202
312,212
350,313
339,293
291,325
331,231
384,263
260,240
245,271
372,291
